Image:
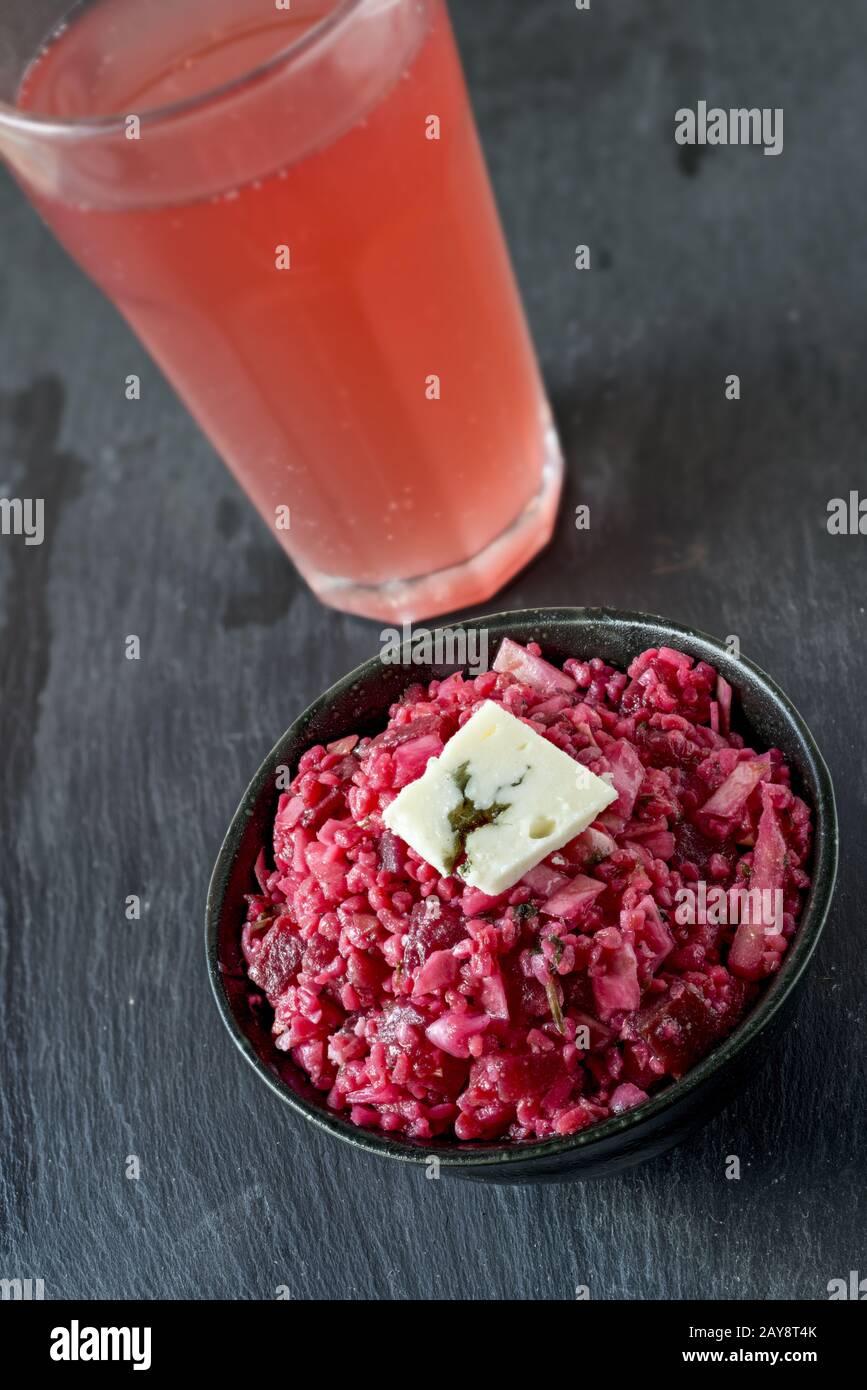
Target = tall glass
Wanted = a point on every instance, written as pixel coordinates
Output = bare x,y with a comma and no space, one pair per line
287,201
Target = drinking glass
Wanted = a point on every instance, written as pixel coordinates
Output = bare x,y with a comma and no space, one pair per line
287,201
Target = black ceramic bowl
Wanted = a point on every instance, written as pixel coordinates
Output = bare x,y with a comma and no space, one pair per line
359,703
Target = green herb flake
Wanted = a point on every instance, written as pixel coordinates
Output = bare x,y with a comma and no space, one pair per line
525,910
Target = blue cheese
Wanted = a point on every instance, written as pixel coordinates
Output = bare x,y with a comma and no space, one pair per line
497,800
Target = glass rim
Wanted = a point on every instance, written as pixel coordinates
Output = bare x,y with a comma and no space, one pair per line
34,123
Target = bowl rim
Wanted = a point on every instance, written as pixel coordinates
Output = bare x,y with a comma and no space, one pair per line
454,1154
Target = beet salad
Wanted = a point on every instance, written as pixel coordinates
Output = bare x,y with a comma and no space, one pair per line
532,899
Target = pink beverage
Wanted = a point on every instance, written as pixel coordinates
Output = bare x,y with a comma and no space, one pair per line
291,209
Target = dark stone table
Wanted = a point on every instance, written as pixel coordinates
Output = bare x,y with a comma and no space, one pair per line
118,777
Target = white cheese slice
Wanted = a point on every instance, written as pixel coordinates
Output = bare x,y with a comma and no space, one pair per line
497,800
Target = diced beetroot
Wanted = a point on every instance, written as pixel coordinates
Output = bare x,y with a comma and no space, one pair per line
308,903
530,669
474,902
277,960
576,1117
625,1097
729,800
313,816
547,708
290,812
724,702
343,745
543,880
365,971
627,774
589,848
640,852
452,1032
683,1026
411,758
433,926
631,699
440,970
329,869
488,1121
659,845
403,733
670,657
573,897
374,1095
614,973
527,997
769,855
260,869
516,1077
640,829
598,1035
492,995
651,933
693,845
746,957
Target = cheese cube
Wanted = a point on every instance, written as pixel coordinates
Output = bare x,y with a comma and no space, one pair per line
497,800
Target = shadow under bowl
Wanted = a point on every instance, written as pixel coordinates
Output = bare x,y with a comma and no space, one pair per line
359,704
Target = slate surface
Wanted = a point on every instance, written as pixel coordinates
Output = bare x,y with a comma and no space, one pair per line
119,777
